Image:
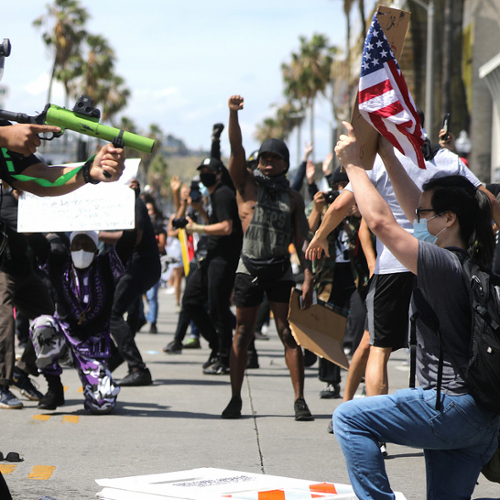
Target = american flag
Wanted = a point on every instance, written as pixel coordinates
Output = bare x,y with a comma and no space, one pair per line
384,99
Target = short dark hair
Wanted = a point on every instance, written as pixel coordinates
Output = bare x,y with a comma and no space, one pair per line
454,193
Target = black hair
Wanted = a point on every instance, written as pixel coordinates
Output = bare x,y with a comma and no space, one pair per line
472,207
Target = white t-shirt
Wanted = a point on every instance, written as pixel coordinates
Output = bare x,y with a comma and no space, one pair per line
443,164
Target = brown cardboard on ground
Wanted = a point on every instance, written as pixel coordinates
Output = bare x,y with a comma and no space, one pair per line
395,23
318,329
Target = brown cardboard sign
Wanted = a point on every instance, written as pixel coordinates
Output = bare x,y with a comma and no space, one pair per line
395,23
318,329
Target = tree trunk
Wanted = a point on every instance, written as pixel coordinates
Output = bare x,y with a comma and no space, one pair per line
312,128
447,57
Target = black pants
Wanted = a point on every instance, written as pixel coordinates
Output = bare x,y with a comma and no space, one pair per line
136,281
212,281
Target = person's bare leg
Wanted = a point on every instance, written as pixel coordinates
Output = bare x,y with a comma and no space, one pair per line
245,325
177,274
376,378
293,353
357,367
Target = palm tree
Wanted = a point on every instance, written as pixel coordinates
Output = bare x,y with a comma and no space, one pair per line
309,72
65,21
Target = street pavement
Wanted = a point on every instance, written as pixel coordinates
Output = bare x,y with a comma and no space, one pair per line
175,425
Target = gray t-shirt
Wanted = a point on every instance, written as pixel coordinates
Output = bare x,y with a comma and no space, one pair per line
439,277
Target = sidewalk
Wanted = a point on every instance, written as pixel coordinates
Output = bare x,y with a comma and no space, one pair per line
175,425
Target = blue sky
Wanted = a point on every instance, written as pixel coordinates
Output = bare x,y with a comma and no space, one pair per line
183,59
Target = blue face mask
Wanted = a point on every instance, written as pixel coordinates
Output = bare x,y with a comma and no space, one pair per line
421,232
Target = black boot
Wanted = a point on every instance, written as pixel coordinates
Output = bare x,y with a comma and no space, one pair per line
55,394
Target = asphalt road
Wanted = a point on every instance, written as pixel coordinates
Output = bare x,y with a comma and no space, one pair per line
175,425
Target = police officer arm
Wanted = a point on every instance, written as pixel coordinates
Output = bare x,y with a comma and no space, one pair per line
237,160
109,160
301,230
372,206
332,218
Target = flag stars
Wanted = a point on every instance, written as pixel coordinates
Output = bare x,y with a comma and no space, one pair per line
367,56
369,46
375,62
379,44
383,54
375,33
365,65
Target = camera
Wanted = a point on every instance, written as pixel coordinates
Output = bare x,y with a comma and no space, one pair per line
194,192
330,196
179,223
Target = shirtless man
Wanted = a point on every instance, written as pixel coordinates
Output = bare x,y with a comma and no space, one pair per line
271,214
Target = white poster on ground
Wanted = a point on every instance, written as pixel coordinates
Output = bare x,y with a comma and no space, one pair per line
104,206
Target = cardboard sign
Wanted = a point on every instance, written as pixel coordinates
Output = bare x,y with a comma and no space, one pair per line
105,206
219,484
395,23
319,329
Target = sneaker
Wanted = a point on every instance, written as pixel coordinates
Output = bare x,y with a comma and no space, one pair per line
233,409
173,348
212,359
252,360
136,377
8,400
55,394
331,391
192,343
25,386
261,336
383,449
217,368
302,413
329,429
153,328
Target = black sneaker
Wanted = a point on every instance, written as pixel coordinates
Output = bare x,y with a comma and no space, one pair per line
153,328
173,348
137,377
331,391
233,409
302,413
217,368
24,385
55,394
212,359
383,449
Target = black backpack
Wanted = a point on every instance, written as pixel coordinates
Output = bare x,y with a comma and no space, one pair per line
482,374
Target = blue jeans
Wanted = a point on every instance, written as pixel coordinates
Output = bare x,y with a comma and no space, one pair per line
152,296
457,441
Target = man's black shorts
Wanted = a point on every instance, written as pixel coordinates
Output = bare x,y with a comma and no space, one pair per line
387,304
250,293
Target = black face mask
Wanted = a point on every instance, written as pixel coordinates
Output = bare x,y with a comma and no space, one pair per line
208,180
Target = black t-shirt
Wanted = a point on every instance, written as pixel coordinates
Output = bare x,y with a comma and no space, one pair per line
11,164
224,207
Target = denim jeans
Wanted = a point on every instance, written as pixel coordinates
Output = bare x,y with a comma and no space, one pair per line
152,296
457,441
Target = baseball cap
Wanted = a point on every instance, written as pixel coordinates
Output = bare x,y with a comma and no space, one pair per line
91,234
212,164
276,146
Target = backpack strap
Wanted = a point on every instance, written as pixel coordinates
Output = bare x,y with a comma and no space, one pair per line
427,315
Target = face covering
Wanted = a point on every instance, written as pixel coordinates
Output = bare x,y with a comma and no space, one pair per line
421,232
82,259
203,190
208,179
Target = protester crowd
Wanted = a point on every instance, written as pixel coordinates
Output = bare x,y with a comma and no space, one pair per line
243,236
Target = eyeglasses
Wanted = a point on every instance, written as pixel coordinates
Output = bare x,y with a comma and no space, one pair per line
418,211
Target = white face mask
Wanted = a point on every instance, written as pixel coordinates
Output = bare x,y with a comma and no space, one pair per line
82,259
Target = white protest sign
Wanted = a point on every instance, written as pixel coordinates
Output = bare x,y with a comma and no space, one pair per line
105,206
